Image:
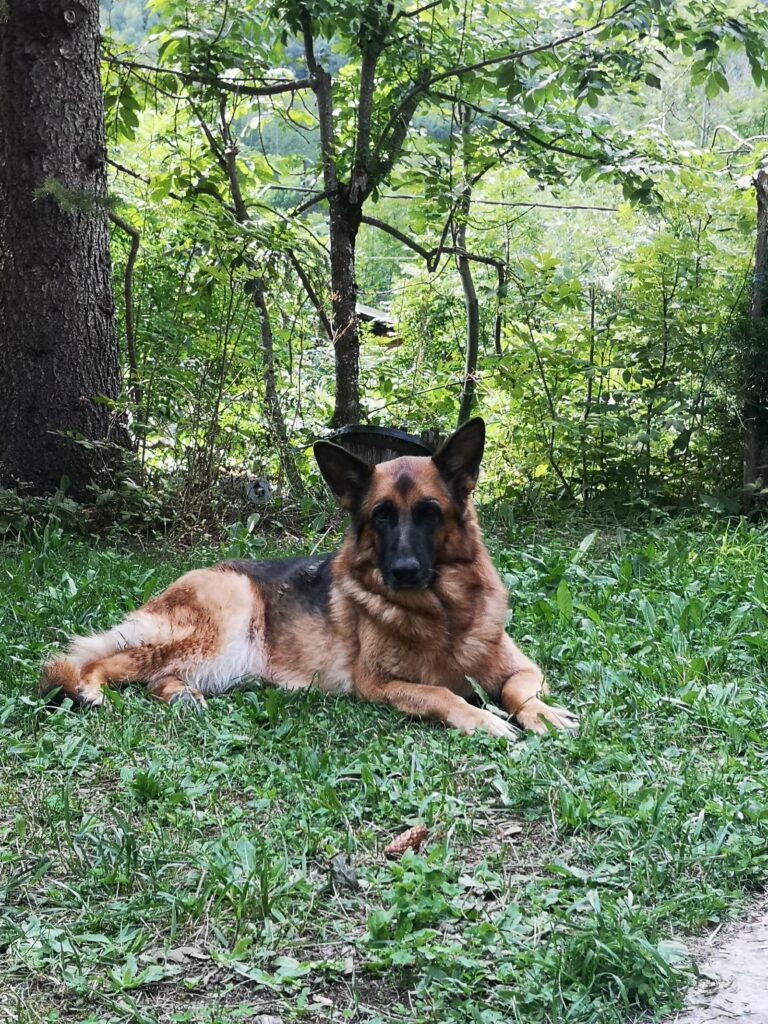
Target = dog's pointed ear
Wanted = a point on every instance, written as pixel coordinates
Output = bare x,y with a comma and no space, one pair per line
347,476
458,458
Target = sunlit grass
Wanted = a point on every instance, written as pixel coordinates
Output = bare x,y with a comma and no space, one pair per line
160,865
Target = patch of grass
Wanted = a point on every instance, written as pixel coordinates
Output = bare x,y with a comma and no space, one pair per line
158,865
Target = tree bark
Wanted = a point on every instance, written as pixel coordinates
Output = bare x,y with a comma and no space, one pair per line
344,222
472,307
58,348
755,410
130,333
471,303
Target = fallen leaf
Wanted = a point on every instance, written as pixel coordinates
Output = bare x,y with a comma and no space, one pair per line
342,874
181,954
513,828
322,1001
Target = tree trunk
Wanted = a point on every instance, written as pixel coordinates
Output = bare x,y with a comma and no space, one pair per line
472,307
344,221
274,412
272,402
471,304
58,349
344,224
755,411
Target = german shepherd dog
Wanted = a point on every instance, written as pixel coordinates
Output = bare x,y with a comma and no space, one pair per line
405,611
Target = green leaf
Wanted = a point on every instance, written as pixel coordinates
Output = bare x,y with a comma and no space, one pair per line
716,83
289,969
759,585
564,600
584,545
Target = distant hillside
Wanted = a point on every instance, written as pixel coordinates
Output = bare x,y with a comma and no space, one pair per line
127,20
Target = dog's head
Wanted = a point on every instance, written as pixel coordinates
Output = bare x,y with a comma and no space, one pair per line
409,507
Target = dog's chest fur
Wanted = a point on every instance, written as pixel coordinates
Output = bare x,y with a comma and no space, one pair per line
439,636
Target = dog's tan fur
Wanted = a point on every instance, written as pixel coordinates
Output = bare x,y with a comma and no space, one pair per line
411,649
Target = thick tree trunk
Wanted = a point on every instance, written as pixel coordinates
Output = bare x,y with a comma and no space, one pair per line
58,350
755,412
344,224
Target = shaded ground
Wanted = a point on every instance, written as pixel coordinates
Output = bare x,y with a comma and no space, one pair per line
734,974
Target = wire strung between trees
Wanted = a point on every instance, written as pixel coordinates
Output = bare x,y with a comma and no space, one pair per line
480,202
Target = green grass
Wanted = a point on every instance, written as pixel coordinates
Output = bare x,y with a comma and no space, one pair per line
158,865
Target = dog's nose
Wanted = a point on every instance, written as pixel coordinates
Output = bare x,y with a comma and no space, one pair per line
405,571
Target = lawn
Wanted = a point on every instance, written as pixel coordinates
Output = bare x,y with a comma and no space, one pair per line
161,865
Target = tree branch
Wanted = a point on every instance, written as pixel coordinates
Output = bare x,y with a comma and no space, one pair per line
229,156
127,170
322,87
312,295
418,10
274,88
399,235
431,256
130,337
359,177
464,267
492,115
397,130
215,148
422,87
318,197
457,72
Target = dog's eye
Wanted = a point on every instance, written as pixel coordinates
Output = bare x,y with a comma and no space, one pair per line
383,514
429,513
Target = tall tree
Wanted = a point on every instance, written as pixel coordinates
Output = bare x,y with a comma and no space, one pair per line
755,413
58,349
360,71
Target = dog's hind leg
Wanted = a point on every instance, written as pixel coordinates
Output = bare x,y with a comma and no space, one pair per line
171,690
133,665
117,656
84,683
148,665
65,677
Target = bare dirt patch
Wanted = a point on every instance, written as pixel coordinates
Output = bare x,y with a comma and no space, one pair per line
733,964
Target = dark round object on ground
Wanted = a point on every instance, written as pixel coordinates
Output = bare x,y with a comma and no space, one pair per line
379,444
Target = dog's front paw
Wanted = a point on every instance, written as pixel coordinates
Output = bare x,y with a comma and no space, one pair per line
535,715
494,725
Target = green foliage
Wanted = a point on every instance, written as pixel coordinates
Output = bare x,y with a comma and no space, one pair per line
620,373
154,858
